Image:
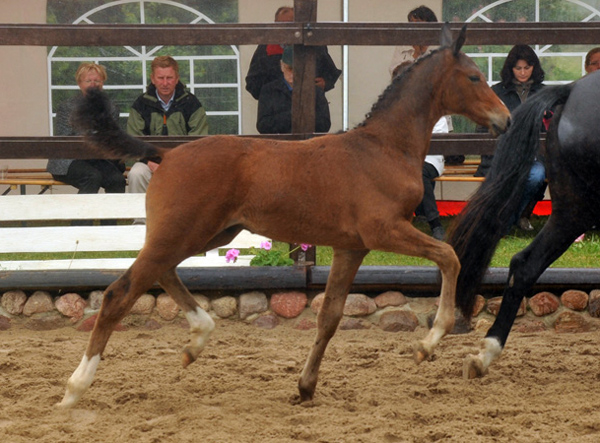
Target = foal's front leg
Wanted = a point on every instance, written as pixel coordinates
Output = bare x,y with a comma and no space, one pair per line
408,240
444,256
344,266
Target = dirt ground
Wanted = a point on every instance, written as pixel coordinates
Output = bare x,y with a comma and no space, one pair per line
545,388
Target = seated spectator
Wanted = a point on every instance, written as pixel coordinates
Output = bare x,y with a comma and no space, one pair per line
166,108
432,167
521,76
275,102
404,54
592,60
88,176
265,68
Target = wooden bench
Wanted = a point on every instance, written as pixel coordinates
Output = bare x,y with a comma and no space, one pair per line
55,212
23,177
461,173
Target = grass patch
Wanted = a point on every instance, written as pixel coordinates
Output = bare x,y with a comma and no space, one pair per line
579,255
66,255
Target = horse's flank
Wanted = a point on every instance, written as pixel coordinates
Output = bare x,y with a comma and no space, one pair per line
311,192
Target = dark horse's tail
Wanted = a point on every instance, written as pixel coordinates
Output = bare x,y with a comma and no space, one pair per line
92,117
480,226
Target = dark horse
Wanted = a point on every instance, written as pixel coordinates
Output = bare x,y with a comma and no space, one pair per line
354,191
572,157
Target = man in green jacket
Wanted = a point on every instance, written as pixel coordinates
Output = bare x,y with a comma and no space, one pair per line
166,108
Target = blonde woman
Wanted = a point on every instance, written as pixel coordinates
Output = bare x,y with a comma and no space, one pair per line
88,176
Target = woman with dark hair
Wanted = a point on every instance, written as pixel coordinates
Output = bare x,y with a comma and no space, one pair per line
521,76
403,54
422,14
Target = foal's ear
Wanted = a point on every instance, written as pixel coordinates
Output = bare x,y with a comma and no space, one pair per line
460,40
446,38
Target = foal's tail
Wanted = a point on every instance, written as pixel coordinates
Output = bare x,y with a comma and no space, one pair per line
480,226
93,118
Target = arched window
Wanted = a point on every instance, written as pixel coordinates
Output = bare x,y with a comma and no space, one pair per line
561,63
212,73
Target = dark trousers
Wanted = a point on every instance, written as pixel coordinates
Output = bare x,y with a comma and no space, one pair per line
484,166
428,207
89,176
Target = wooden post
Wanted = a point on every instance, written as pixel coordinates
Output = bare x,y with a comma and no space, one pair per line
303,95
303,98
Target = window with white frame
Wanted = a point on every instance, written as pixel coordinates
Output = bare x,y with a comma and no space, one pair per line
212,73
561,63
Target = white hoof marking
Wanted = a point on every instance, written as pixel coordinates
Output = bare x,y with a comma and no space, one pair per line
80,381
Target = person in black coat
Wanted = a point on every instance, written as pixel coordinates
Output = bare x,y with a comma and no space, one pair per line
265,68
275,102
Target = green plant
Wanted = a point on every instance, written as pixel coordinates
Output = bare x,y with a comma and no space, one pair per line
266,255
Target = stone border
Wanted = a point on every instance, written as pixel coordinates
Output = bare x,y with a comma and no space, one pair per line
572,311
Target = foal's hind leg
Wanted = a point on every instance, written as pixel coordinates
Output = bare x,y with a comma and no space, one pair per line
343,269
525,268
119,297
201,324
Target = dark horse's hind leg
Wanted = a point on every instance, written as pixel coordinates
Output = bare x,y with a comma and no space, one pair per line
343,269
525,268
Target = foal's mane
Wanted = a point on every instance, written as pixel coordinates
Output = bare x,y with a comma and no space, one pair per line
391,94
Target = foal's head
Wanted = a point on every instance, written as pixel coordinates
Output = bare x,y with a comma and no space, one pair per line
449,82
465,90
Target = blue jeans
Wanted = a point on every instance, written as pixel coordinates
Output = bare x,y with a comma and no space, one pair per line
533,185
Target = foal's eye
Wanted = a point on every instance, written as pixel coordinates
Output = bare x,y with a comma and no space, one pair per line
475,78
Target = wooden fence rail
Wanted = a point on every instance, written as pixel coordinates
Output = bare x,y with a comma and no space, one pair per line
307,33
74,147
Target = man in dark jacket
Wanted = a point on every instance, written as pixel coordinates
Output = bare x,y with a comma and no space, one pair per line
275,102
166,108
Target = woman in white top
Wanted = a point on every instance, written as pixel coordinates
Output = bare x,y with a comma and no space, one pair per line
433,167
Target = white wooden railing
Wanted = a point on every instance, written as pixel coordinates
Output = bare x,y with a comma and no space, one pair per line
56,209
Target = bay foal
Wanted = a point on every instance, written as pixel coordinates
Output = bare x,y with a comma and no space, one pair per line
354,191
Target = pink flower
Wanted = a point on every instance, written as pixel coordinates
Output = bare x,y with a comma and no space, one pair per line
232,255
266,245
305,246
580,238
